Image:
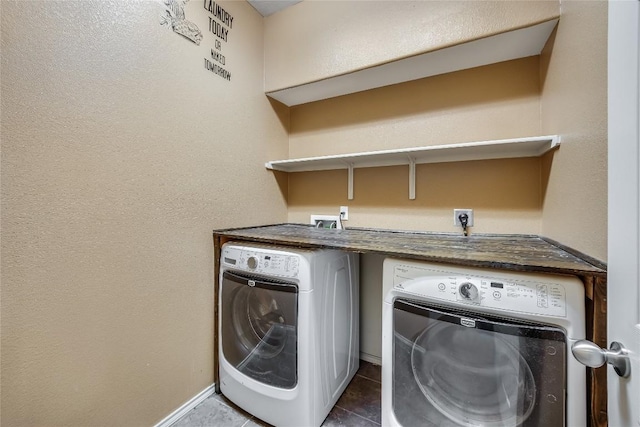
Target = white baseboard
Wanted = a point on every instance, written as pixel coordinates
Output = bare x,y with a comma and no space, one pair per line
371,359
189,405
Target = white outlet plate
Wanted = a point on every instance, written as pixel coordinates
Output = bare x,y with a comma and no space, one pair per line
458,212
326,221
344,213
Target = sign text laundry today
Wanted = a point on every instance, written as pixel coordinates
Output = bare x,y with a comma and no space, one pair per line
222,15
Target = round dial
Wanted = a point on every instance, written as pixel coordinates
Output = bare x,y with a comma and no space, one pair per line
468,291
252,262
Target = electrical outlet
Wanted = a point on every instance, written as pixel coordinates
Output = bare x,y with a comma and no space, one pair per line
344,213
458,212
326,221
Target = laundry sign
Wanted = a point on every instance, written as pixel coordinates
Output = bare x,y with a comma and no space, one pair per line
220,23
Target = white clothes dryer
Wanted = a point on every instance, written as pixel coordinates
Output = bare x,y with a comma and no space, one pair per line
480,347
288,328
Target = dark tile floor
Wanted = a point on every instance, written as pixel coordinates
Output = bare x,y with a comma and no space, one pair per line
359,406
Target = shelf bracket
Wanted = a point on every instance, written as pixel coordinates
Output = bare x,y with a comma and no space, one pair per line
350,184
412,178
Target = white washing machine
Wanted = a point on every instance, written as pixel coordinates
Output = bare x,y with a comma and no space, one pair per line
288,328
480,347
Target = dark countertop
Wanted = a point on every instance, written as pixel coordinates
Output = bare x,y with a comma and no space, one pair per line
511,252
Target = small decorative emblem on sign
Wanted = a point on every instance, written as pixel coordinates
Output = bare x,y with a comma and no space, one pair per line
469,323
174,18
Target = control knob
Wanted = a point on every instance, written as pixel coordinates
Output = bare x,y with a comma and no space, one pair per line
468,291
252,262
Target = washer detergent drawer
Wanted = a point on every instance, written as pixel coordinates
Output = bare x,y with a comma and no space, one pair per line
451,368
259,328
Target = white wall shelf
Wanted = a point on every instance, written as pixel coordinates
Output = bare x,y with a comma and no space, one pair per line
520,43
482,150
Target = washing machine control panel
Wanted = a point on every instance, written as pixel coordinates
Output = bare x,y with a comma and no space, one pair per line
261,261
520,296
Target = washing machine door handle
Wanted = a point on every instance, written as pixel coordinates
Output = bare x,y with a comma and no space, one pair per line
591,355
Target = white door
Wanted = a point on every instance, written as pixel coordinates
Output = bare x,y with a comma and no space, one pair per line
624,189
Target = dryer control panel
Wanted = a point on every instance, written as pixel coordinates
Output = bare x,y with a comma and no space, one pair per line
261,261
530,295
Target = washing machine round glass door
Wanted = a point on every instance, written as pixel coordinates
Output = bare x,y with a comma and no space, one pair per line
259,328
453,368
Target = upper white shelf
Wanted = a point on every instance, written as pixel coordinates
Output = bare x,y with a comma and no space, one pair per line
520,43
482,150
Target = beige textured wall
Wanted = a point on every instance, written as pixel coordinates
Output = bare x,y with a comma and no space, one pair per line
317,39
563,92
491,102
120,155
574,105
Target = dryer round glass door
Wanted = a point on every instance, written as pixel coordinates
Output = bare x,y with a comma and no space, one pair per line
453,368
473,376
258,320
